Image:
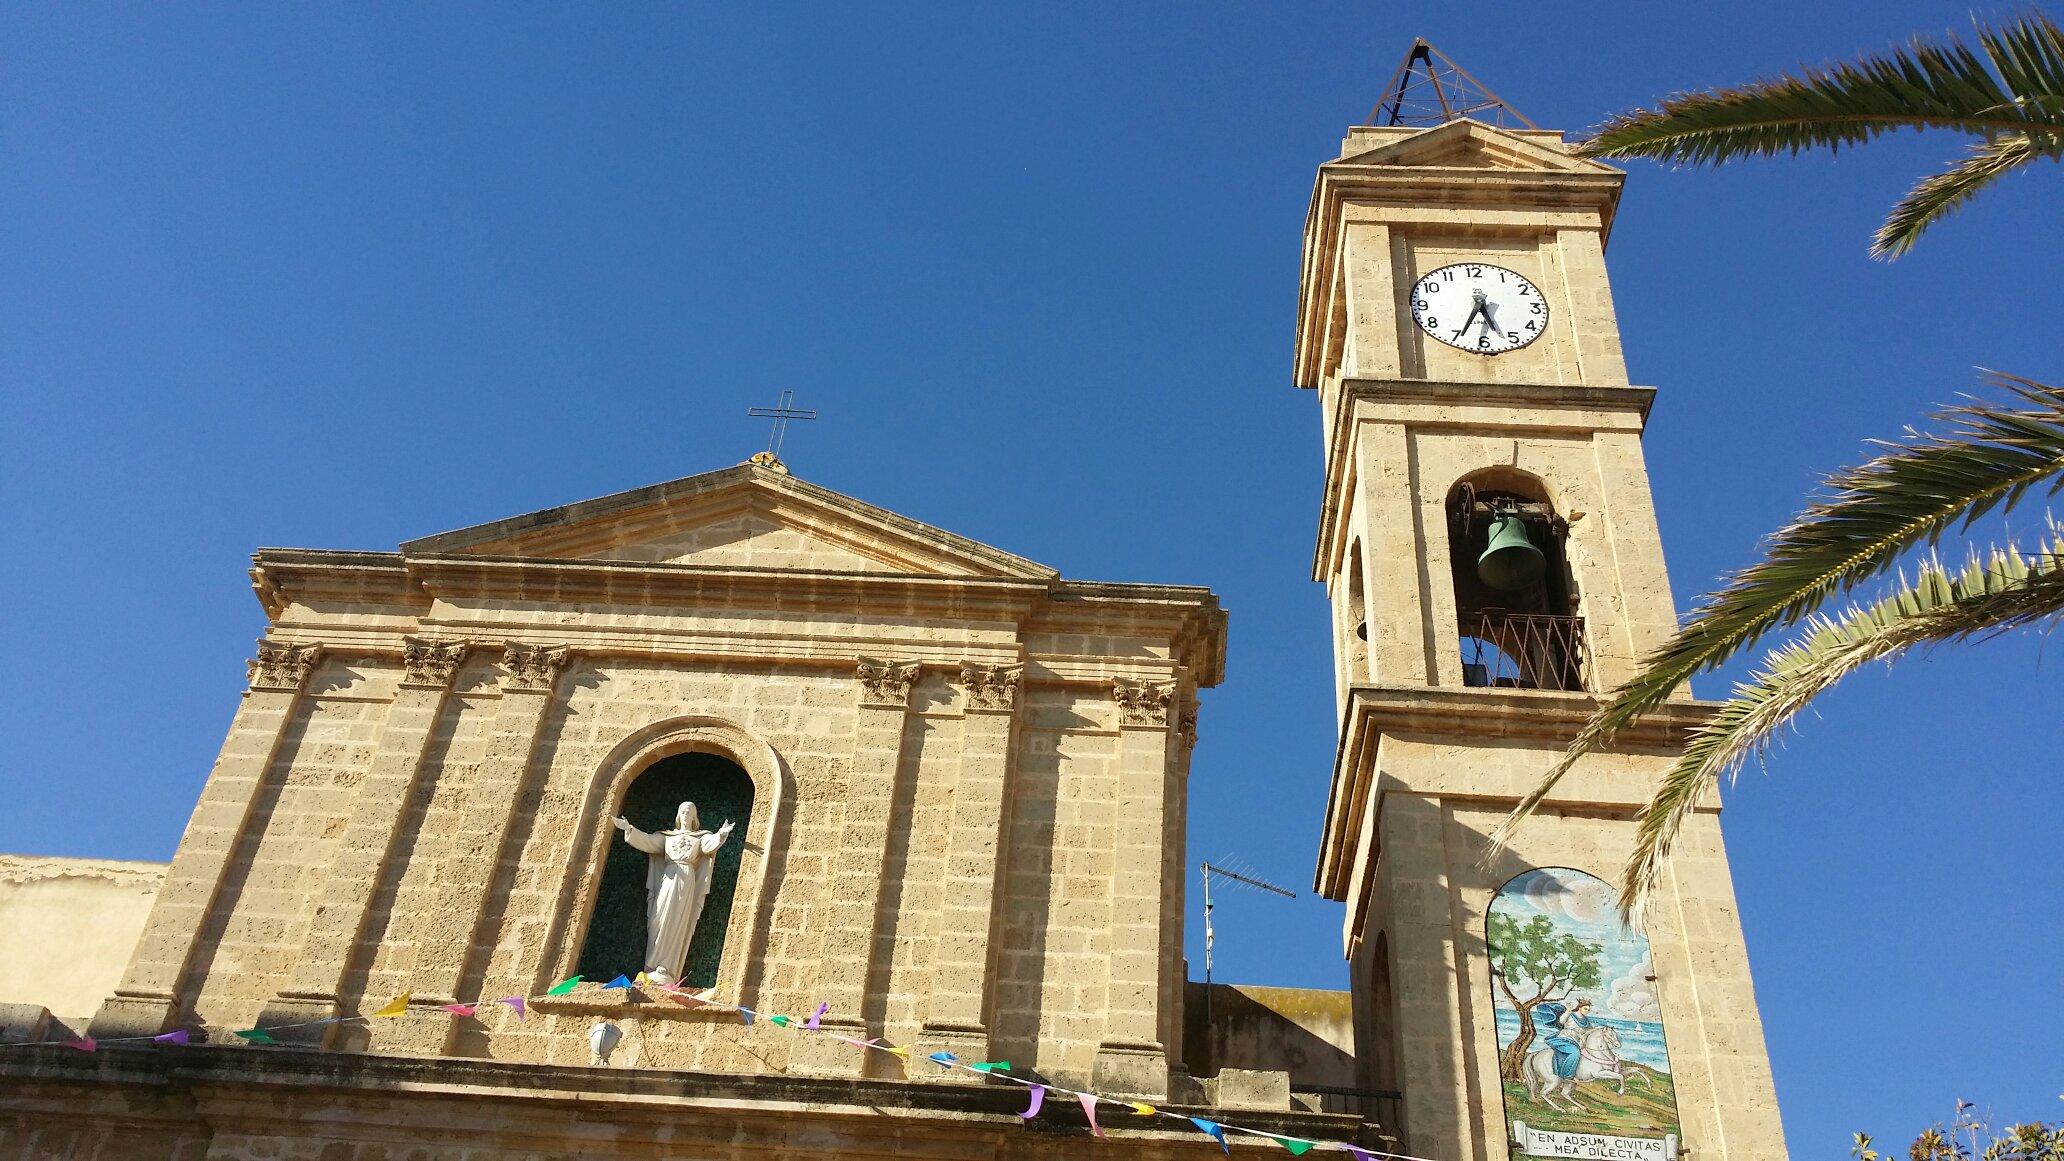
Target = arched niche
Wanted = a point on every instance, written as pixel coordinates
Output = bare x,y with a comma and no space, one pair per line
1530,637
761,840
617,924
1357,638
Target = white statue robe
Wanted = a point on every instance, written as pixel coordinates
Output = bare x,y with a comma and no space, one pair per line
677,882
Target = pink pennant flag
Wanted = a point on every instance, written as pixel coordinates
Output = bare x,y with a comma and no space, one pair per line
176,1036
685,999
817,1017
517,1002
459,1009
1038,1099
83,1044
1089,1110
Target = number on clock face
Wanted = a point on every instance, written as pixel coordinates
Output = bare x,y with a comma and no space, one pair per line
1477,307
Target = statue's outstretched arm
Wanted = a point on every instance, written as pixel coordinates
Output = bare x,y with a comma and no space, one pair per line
651,844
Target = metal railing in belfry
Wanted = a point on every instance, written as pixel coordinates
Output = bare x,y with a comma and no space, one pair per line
1524,651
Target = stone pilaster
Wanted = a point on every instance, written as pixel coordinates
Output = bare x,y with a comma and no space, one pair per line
1132,1057
854,892
964,968
366,847
146,1000
529,680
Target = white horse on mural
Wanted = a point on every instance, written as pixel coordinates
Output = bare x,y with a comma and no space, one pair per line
1598,1058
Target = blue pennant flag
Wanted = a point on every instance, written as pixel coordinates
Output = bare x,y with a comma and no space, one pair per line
1216,1130
944,1059
620,982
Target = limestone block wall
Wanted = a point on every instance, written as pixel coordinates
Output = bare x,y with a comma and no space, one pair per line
975,843
1408,451
67,927
1440,797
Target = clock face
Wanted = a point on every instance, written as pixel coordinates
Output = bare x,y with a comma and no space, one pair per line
1474,306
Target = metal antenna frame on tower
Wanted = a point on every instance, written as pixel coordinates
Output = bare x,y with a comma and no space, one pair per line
1455,93
1209,870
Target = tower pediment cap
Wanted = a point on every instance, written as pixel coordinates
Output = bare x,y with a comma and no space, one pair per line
1463,143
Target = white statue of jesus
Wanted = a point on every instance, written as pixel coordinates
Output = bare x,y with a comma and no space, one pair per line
677,881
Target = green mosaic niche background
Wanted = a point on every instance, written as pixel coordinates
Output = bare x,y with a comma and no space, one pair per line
722,793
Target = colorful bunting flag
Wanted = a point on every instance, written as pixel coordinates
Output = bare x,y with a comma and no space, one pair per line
83,1044
564,986
685,999
642,980
621,983
1214,1130
748,1014
256,1036
892,1050
398,1006
991,1066
1089,1104
943,1059
460,1009
1038,1099
817,1017
1142,1110
779,1021
521,1005
1298,1148
176,1036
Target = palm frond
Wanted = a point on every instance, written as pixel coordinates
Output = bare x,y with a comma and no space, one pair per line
1992,593
1939,196
2012,82
1987,457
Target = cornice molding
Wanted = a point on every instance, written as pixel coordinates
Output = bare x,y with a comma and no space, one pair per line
1482,717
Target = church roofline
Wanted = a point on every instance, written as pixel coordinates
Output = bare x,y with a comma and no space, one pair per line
705,483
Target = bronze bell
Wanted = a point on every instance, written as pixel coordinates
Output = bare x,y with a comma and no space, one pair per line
1510,561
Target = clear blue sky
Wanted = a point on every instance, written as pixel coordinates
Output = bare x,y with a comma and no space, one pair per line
340,276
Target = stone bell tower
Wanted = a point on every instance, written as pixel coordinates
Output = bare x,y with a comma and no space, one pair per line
1456,321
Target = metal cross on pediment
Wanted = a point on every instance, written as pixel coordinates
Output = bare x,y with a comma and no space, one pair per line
780,413
1428,89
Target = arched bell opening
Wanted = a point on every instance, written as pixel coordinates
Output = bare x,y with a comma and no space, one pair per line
1357,641
1516,603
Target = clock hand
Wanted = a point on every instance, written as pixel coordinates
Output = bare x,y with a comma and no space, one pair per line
1490,321
1471,320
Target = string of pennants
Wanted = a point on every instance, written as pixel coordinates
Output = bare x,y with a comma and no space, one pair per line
1036,1091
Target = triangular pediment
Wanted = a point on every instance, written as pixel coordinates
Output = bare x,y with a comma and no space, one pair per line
1468,144
743,517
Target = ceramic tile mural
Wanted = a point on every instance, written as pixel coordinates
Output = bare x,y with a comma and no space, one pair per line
1581,1050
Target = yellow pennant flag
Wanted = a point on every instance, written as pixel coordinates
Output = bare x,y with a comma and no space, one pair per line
893,1051
1143,1110
641,981
398,1006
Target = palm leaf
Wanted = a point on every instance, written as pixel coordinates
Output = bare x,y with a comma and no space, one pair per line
1937,197
2012,83
1987,458
1992,593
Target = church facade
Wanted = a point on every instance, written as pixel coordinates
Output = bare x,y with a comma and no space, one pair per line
944,793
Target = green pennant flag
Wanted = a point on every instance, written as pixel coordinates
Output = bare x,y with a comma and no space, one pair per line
564,986
257,1036
779,1021
1297,1148
991,1066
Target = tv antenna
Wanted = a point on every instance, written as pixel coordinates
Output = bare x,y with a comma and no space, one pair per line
1210,937
1428,89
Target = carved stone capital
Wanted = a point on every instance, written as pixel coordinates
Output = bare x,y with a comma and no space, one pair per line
426,661
283,666
533,666
991,687
1142,704
886,682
